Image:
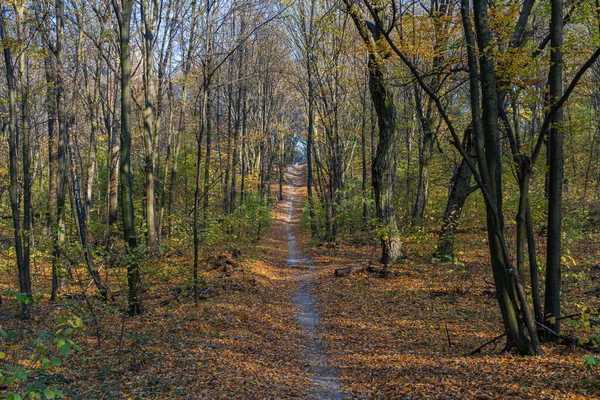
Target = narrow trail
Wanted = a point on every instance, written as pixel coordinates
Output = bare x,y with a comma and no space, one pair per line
324,377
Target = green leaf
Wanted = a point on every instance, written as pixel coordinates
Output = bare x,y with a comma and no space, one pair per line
591,361
56,362
64,349
49,393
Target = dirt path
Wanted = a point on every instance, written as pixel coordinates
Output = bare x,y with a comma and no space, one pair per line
324,378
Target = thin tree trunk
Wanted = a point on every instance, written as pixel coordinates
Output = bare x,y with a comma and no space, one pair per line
555,174
113,179
81,223
24,273
23,269
52,157
229,161
533,268
365,176
425,153
309,146
244,157
94,125
208,134
460,189
203,129
59,228
149,9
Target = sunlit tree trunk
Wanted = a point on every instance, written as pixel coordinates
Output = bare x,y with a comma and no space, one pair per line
93,97
384,164
149,11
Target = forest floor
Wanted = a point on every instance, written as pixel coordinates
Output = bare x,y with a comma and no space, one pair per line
278,324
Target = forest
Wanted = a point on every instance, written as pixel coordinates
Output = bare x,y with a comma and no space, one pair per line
320,199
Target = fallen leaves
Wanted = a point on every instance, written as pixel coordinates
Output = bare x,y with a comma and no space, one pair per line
405,336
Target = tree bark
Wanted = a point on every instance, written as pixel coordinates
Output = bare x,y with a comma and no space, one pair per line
52,157
460,189
365,175
82,223
22,267
384,164
126,178
425,153
149,10
94,125
24,273
509,288
203,128
555,174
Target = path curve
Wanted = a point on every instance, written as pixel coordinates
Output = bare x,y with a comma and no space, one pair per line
324,377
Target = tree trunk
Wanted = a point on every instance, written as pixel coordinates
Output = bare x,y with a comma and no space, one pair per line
516,313
384,163
23,269
309,146
208,134
61,186
114,157
149,10
94,125
52,157
460,189
425,153
229,161
555,174
244,158
365,176
126,178
203,128
81,223
24,273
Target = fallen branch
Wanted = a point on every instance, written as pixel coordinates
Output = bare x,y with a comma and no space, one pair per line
448,336
569,340
220,261
349,270
492,341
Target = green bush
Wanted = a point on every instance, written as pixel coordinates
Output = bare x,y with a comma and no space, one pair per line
30,377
